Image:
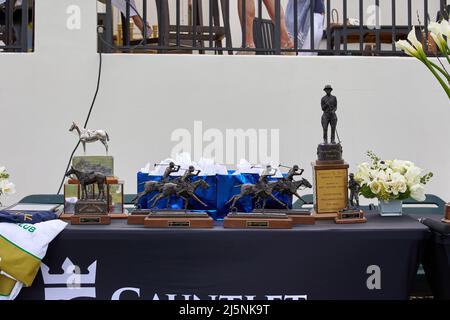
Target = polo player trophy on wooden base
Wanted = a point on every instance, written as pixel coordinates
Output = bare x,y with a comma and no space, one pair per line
92,194
330,171
290,187
138,214
353,213
183,187
262,218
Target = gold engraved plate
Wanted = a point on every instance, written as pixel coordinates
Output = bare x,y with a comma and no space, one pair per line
90,220
179,224
257,224
331,190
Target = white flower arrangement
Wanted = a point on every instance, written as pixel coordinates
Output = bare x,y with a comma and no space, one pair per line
391,179
414,48
6,187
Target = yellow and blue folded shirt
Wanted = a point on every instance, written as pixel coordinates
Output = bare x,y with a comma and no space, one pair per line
22,247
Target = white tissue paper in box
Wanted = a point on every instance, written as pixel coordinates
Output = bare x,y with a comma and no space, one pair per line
207,166
246,167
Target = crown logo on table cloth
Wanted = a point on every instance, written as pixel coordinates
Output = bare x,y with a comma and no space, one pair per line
70,282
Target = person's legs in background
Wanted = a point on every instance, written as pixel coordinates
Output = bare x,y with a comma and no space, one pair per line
121,5
286,42
318,34
249,17
140,24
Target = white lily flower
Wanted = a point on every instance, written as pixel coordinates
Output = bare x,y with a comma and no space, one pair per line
412,38
406,47
445,28
437,35
435,28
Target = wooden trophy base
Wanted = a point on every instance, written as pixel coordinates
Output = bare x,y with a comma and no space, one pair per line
68,216
323,216
350,216
265,220
90,219
298,216
178,219
137,216
446,218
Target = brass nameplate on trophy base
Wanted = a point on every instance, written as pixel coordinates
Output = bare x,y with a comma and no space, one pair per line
350,216
101,219
257,221
152,221
179,224
95,220
330,187
257,224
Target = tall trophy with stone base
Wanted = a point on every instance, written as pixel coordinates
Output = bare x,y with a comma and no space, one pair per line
92,194
330,171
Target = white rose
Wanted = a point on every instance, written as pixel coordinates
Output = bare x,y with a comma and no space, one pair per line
363,173
398,177
7,187
375,187
398,186
379,175
399,166
412,175
2,169
418,192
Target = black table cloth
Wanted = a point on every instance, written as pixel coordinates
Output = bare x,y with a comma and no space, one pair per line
375,260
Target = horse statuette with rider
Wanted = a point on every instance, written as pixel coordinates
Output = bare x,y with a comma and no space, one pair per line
182,187
90,136
264,189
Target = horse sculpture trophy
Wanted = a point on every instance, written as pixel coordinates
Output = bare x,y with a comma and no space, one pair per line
92,205
92,193
183,187
260,192
90,136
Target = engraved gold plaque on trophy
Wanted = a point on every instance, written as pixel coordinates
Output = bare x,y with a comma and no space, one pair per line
330,188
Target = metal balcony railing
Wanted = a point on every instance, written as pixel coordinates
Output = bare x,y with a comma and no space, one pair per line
363,34
16,25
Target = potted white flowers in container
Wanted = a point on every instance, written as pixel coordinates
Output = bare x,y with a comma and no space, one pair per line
6,186
391,182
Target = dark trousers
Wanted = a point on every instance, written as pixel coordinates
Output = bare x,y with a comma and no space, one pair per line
329,119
